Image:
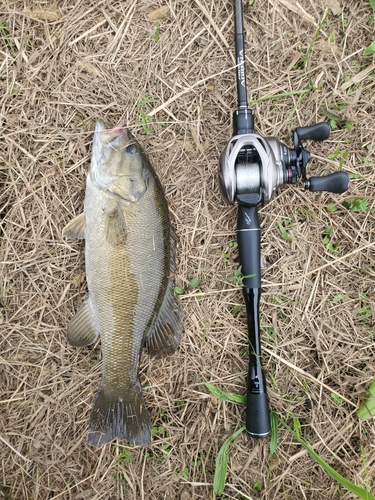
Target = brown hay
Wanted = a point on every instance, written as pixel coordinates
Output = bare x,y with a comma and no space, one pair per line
63,64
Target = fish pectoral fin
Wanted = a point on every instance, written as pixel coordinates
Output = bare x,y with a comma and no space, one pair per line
115,224
165,333
81,330
75,228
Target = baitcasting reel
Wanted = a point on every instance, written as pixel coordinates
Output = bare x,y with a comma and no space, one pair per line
251,163
251,168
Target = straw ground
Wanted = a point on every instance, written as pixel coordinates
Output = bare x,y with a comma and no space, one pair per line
63,64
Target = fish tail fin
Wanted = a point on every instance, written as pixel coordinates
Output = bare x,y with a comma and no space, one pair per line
120,414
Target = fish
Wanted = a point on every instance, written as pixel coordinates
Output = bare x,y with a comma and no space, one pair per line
130,260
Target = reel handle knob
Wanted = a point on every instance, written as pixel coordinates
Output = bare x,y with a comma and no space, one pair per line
333,183
318,132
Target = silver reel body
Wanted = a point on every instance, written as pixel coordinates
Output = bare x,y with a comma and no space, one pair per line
241,176
251,163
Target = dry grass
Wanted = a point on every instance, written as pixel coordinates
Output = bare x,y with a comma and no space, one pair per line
62,65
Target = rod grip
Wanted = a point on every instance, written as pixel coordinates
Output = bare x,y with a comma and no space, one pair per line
258,423
248,238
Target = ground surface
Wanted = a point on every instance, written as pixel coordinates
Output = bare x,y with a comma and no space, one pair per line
63,64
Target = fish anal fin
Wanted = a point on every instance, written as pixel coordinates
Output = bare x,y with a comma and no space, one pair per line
75,228
81,330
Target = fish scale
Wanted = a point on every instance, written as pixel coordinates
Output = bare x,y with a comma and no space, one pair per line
113,271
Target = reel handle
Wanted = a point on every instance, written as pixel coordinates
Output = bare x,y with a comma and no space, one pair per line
317,132
337,182
248,238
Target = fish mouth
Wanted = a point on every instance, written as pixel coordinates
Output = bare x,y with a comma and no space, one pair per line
113,153
107,140
108,136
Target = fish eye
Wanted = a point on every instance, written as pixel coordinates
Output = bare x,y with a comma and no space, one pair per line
131,149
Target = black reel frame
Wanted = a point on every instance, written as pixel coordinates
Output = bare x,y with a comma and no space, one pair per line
251,167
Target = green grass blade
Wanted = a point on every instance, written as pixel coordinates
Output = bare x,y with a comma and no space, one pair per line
274,417
330,115
366,409
284,94
297,427
361,493
225,396
306,58
222,463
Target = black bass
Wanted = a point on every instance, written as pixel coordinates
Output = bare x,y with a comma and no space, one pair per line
130,260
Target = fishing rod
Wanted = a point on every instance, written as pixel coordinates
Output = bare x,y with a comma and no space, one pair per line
251,168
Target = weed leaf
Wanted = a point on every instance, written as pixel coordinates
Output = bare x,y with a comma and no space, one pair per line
284,232
332,207
225,396
361,493
285,94
369,50
274,417
306,58
366,409
257,486
340,297
238,277
194,283
222,463
357,204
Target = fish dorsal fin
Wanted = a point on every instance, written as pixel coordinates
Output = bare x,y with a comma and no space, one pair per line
114,223
75,228
81,330
163,337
